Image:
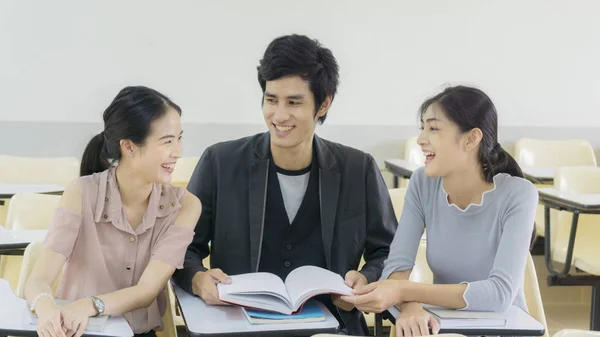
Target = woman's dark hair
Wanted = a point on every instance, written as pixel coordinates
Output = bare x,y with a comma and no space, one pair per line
129,116
298,55
471,108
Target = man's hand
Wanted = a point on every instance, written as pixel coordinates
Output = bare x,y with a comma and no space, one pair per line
204,284
353,279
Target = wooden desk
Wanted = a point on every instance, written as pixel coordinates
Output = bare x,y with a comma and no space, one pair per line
518,323
15,316
207,320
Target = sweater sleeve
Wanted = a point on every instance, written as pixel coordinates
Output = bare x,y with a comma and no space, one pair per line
499,290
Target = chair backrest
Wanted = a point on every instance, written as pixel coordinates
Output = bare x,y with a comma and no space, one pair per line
576,180
533,297
412,151
29,257
576,333
421,272
31,211
397,197
580,180
438,335
25,170
183,171
546,153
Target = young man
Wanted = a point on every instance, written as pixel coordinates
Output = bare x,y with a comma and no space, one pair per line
286,198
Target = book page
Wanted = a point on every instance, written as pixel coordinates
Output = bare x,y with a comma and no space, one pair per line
254,284
308,281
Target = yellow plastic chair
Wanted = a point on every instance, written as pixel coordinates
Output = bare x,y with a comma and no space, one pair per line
576,333
413,154
26,211
441,335
533,297
29,257
29,211
26,170
552,153
577,180
422,273
397,197
183,171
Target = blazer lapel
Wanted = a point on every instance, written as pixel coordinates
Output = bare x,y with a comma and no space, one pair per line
329,187
257,198
329,190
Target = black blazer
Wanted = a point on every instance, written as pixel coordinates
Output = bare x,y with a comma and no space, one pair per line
230,179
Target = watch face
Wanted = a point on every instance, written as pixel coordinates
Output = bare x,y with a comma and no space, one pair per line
99,305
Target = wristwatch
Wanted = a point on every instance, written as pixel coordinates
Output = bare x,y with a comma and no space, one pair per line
98,304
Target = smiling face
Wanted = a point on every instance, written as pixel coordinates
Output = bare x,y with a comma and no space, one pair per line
442,143
289,111
155,160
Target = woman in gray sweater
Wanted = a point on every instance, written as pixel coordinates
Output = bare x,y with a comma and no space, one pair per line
479,213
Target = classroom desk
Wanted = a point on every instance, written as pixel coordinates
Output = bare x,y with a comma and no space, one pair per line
400,168
540,175
8,190
576,204
15,242
15,315
518,323
207,320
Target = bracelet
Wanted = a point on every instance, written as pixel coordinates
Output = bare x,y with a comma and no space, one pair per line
36,299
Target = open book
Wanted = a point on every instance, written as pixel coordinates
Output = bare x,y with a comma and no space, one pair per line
95,324
450,318
267,291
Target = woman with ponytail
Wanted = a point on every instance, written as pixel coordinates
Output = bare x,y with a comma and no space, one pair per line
121,229
479,213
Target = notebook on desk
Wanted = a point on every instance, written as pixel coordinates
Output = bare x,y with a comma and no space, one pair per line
450,318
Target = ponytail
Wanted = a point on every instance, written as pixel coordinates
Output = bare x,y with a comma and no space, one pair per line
499,161
94,157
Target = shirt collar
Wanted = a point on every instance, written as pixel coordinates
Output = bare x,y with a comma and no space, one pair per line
163,202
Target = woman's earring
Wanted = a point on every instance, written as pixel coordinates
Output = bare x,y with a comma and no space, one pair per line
131,154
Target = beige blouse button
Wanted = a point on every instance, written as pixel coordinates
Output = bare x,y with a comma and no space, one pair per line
105,216
161,206
106,199
132,239
172,204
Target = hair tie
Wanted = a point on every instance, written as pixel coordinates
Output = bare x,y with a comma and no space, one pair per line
105,145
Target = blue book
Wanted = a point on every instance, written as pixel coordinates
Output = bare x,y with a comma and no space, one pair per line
310,312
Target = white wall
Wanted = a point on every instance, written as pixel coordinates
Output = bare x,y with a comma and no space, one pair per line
65,60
